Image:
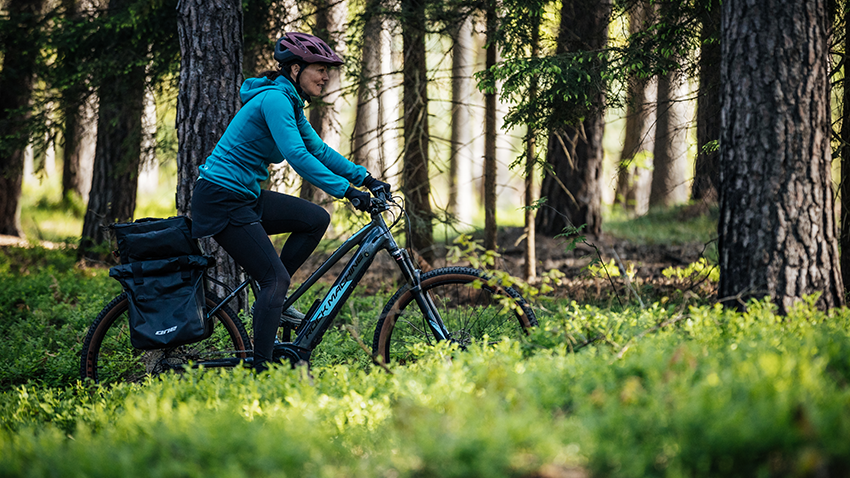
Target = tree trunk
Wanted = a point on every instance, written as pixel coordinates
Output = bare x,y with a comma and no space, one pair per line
572,185
74,181
669,166
461,189
530,253
116,160
490,227
706,169
116,164
365,144
416,181
207,101
323,114
389,104
845,162
118,151
633,173
16,83
777,229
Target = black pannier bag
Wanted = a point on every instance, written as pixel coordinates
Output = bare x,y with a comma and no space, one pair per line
152,238
162,272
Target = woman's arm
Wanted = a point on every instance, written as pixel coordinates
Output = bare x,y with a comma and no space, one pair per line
318,164
328,156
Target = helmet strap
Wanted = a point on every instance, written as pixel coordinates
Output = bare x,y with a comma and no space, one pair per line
296,82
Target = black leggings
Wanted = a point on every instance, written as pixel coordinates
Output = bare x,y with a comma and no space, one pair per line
251,248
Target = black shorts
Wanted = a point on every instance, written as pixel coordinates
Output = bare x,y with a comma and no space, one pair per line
214,207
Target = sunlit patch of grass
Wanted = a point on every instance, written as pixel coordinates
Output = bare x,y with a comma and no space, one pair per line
676,225
46,216
159,201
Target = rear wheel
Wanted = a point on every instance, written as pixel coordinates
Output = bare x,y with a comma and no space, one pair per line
109,357
469,308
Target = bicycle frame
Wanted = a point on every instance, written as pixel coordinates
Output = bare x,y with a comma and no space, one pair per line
369,240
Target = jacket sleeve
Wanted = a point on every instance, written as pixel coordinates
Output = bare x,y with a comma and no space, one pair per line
308,155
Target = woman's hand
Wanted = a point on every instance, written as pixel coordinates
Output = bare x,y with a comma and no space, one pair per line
358,198
376,186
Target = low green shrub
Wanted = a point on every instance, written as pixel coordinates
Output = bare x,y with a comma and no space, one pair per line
46,306
668,391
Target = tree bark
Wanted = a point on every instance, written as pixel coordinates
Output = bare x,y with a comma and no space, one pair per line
210,33
16,84
461,189
415,177
571,184
706,168
490,227
777,228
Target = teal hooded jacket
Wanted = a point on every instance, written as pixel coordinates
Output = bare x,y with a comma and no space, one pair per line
270,128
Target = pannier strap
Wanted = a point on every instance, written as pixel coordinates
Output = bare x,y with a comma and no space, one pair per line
183,263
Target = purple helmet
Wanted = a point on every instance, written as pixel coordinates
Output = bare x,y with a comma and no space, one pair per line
304,47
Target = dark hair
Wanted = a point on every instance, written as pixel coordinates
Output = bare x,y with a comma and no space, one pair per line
283,69
270,74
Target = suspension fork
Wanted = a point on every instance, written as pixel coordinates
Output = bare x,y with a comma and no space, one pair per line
422,298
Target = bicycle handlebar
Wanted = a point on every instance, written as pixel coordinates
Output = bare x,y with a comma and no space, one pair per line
379,201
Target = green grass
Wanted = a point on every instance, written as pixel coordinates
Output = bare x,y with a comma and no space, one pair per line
677,389
712,393
662,226
45,216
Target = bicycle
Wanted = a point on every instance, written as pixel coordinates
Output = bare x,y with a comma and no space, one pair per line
453,303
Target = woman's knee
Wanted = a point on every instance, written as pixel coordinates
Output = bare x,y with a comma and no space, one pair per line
275,284
321,219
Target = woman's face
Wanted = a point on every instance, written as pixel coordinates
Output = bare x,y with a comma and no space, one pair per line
313,78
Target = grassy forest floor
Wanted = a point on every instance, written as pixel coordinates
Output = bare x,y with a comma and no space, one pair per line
658,382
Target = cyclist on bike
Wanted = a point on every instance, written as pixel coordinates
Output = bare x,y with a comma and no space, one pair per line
228,203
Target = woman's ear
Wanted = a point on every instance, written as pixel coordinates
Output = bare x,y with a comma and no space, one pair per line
295,68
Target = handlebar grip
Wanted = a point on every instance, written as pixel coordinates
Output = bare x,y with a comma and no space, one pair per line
355,202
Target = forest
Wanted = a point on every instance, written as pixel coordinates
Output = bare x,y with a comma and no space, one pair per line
661,179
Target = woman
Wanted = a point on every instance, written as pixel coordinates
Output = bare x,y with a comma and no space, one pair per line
228,203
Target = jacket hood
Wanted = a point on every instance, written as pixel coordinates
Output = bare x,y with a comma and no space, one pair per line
254,86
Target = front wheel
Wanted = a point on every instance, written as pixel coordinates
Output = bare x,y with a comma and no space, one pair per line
108,356
469,308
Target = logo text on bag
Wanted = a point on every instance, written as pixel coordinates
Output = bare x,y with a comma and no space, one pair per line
166,331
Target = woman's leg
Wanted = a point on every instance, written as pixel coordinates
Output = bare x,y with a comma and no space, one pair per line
251,248
306,221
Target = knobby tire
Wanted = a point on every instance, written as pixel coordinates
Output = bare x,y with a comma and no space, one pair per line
469,313
108,356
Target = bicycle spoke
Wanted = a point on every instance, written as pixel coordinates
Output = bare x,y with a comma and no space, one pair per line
468,313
